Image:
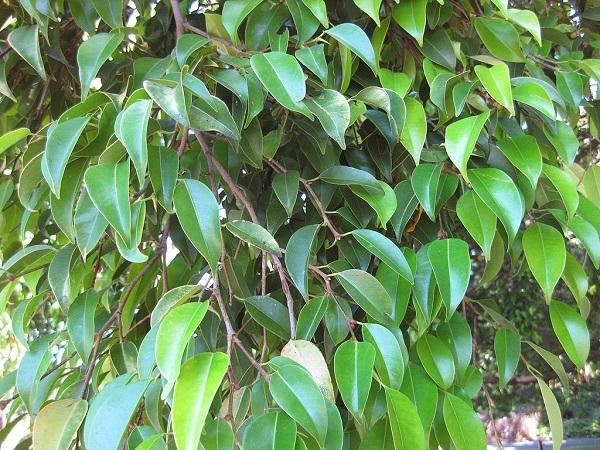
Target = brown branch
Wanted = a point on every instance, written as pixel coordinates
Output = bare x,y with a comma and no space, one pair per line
178,18
220,40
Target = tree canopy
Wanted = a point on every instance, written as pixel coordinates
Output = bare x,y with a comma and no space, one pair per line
253,223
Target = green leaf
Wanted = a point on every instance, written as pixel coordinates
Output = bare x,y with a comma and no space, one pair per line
389,101
456,334
111,11
110,412
422,392
170,300
310,317
131,127
274,429
93,53
163,168
478,219
570,86
187,45
174,333
527,20
463,424
297,256
534,95
319,10
353,367
507,346
270,314
203,227
170,97
425,180
367,292
572,332
313,58
198,382
89,224
63,209
282,76
389,360
411,16
254,234
553,413
500,38
524,153
25,41
565,187
80,323
60,142
234,13
437,360
305,21
500,194
438,47
555,363
407,202
295,391
285,186
563,139
345,175
353,37
12,137
108,188
57,423
32,367
370,7
452,268
544,249
591,184
588,236
384,249
461,137
407,431
310,357
496,80
414,132
333,111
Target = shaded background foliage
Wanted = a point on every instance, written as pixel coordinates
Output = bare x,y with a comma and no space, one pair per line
179,93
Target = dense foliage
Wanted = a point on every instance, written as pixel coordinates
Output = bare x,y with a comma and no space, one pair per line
254,223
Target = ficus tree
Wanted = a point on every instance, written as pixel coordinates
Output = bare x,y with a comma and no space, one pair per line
251,223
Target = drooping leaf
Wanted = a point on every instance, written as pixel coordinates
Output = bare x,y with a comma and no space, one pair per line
274,429
333,111
405,424
463,424
425,180
411,16
254,234
353,367
496,80
353,37
553,412
500,38
461,137
57,423
285,186
81,324
93,53
297,256
389,360
437,360
367,292
478,219
25,41
507,346
572,332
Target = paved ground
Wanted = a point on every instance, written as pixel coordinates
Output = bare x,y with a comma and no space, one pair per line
574,444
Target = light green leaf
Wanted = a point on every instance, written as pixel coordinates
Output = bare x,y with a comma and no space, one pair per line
254,234
554,414
89,224
333,111
234,13
12,137
461,137
353,367
452,268
170,97
500,38
422,392
198,382
565,186
163,168
367,292
353,37
32,367
310,317
285,186
389,101
414,132
507,347
388,252
305,21
80,323
572,332
411,16
555,363
544,249
478,219
370,7
344,175
496,80
319,10
591,184
534,95
131,127
463,424
273,430
111,11
63,208
407,202
437,360
203,227
174,333
499,192
60,142
25,41
297,256
270,314
563,139
57,423
527,20
425,180
110,412
108,188
389,360
295,391
188,44
282,76
456,334
407,431
524,153
313,58
93,53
